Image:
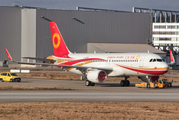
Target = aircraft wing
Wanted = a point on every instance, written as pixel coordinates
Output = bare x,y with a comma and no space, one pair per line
81,68
40,59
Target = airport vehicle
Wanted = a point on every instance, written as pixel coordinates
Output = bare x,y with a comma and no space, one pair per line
164,83
96,67
142,85
10,77
160,83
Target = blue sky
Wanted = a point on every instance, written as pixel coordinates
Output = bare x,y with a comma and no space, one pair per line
123,5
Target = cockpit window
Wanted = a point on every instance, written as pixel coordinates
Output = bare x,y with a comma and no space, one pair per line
156,60
159,60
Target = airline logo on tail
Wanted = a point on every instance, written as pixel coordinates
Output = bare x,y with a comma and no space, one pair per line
56,40
59,46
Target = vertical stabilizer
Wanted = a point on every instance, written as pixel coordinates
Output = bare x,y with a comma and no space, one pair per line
172,58
59,45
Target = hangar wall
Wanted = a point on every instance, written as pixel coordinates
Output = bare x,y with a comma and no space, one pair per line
10,32
28,34
25,33
94,26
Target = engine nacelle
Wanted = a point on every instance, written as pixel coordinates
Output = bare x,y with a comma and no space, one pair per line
96,76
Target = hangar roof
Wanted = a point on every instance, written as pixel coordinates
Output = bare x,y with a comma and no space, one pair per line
124,48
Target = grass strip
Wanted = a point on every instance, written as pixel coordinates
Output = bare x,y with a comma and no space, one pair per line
90,111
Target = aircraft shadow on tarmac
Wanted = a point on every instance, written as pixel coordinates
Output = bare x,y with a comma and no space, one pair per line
113,85
131,85
175,87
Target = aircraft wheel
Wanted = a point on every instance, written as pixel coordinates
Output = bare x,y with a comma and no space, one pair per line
87,83
127,82
148,85
123,82
92,84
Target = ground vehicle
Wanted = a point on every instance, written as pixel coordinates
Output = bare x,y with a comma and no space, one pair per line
142,85
8,76
160,83
164,83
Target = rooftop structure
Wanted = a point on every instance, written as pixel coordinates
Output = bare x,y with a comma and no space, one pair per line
165,28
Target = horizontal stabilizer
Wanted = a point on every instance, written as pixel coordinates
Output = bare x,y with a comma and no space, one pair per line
8,54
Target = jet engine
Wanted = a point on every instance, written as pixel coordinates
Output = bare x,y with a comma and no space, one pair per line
96,76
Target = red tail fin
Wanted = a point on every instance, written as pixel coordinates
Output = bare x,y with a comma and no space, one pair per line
59,45
172,58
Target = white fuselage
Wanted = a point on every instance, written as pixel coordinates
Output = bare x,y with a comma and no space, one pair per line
123,64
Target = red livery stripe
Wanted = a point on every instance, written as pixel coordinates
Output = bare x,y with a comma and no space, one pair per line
80,60
151,72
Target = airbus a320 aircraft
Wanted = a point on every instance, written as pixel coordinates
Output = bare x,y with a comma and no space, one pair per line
96,67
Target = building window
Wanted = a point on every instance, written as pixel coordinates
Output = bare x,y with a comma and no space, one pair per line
156,39
171,27
164,38
160,26
166,33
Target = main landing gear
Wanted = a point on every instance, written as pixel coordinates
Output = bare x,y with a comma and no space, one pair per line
89,83
125,82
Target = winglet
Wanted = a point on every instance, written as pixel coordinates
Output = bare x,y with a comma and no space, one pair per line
9,56
172,58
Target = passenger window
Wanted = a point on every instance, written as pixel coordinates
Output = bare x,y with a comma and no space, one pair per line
150,60
9,75
154,60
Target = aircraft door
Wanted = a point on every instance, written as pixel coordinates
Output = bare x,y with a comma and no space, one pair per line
108,62
142,61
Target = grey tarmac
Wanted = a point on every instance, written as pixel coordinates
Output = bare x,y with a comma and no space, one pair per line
101,92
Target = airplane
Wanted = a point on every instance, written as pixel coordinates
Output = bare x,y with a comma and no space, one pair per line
96,67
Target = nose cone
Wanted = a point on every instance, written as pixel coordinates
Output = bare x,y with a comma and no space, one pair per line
164,68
